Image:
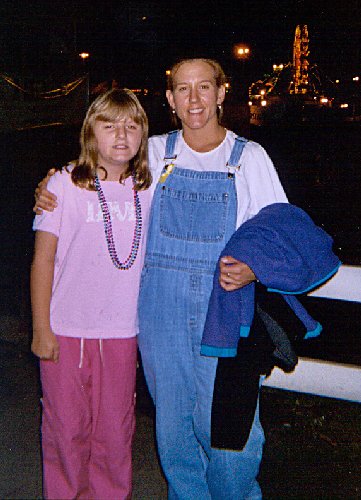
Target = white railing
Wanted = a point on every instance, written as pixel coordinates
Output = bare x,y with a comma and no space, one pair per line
325,378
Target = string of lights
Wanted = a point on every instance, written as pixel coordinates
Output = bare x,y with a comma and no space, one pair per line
51,94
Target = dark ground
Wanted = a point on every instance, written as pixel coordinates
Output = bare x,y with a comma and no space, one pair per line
313,447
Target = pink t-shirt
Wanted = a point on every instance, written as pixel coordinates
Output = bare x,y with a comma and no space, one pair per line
91,298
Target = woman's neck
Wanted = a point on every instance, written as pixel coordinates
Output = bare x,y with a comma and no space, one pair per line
203,140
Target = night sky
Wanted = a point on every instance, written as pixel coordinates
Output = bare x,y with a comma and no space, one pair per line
134,42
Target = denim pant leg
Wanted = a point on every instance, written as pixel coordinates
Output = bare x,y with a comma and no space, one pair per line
167,353
230,474
233,474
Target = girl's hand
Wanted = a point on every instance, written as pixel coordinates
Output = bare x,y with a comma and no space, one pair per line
44,199
234,274
45,346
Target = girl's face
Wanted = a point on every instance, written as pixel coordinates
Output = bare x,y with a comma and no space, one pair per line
195,95
117,142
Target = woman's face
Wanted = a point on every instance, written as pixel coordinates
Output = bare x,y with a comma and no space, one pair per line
195,95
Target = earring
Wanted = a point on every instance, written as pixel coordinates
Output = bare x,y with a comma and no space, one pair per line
173,111
219,106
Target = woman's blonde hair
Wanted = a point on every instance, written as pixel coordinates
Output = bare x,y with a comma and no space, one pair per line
219,74
219,77
109,107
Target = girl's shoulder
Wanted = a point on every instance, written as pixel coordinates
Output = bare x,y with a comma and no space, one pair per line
61,178
63,172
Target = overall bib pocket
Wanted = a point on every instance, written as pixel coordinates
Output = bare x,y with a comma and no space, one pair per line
181,212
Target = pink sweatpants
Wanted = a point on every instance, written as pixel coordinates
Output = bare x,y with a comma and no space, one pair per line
88,419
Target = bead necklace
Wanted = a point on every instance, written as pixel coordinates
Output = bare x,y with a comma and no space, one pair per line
129,261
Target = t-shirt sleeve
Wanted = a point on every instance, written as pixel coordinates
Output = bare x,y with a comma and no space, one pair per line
258,182
50,221
156,150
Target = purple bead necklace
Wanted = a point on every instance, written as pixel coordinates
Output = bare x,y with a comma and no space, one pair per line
108,228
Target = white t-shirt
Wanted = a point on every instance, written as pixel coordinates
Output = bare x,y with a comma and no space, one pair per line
257,182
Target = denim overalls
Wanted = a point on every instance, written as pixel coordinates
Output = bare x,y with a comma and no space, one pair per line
192,217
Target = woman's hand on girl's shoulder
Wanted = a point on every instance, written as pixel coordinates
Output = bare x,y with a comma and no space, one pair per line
45,346
44,199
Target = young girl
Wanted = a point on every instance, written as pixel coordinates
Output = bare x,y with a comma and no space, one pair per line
84,288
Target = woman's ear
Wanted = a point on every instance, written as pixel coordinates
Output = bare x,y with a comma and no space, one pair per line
170,98
221,94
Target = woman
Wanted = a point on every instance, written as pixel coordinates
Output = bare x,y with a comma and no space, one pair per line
207,182
209,188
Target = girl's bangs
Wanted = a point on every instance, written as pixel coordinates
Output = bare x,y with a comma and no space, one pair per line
119,111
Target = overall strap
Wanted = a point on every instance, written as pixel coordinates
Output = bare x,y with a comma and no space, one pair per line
169,155
236,153
170,145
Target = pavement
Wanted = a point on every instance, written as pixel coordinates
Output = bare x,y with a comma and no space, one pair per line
312,447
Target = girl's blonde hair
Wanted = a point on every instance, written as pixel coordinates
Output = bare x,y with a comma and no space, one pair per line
109,107
219,77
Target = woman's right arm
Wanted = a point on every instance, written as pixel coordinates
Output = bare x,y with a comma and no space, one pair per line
44,343
44,199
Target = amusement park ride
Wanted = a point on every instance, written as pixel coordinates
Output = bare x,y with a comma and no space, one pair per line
296,91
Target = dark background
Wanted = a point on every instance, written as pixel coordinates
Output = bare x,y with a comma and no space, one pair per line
313,443
134,42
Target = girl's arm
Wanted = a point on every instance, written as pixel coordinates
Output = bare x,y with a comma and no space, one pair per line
44,344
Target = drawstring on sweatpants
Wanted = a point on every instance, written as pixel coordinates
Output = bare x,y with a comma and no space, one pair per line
101,350
81,353
82,341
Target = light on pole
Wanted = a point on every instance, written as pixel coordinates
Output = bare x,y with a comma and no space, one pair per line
85,56
242,53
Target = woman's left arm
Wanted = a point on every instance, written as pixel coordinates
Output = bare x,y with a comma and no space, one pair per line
258,185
